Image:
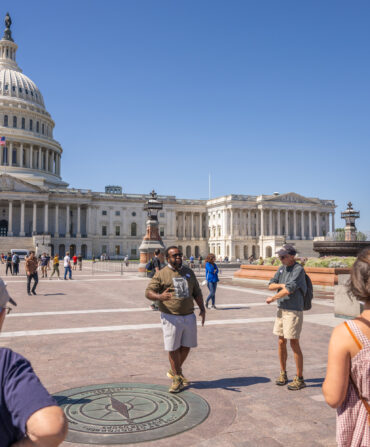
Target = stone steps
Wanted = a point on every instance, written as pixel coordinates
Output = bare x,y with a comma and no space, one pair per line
7,243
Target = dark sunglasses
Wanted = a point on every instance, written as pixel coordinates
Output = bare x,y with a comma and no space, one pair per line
177,255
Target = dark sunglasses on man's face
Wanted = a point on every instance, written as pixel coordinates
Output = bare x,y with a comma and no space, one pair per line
282,257
176,255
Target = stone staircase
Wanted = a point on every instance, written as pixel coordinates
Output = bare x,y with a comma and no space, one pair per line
7,243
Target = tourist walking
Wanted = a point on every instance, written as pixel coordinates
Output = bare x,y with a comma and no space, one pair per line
212,279
9,264
79,262
31,272
67,266
29,416
126,260
44,265
347,382
74,260
175,287
15,262
191,261
200,261
290,284
55,266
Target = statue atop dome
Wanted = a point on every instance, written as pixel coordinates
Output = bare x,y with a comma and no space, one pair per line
7,32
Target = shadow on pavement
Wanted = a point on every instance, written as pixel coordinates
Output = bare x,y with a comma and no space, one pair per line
316,383
230,384
51,294
64,400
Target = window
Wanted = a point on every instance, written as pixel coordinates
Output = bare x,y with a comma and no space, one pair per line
161,214
118,230
23,123
161,231
104,249
117,250
5,120
118,213
14,157
43,129
104,213
133,214
20,90
6,86
133,251
37,127
13,88
26,91
133,229
104,230
14,121
31,125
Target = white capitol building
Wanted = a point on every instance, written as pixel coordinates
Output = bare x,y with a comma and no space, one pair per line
39,210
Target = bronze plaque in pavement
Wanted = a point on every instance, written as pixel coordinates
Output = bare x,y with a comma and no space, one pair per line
124,413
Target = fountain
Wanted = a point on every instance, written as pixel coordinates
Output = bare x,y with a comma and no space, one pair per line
350,246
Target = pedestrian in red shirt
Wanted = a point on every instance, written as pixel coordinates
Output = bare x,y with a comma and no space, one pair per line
74,260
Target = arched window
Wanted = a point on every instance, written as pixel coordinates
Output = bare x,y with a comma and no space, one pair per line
133,229
37,127
5,120
23,123
31,124
14,121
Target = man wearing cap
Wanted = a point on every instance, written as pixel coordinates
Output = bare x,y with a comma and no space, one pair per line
290,284
29,416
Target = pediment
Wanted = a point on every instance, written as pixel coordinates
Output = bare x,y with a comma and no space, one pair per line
292,197
10,183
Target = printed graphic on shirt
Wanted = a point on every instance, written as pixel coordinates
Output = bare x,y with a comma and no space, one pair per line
181,287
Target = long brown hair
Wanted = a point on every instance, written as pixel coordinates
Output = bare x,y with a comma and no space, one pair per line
210,258
359,283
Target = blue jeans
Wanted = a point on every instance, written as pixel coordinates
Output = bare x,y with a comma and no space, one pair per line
67,269
212,286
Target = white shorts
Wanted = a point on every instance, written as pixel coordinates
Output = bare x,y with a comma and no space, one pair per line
179,330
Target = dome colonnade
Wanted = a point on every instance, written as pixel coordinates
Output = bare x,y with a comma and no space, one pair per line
29,151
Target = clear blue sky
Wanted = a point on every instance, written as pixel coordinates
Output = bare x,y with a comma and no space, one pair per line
266,95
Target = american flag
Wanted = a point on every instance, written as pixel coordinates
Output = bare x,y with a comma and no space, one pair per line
2,141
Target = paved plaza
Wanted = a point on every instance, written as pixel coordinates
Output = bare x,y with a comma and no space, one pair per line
98,329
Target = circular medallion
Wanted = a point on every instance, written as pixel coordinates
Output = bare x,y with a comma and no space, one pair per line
124,413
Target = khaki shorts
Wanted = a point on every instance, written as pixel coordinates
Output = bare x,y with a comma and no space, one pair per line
179,330
288,323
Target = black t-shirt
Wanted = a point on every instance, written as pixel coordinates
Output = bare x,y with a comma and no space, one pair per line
21,395
156,263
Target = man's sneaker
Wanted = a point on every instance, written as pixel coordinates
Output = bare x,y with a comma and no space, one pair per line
282,379
171,375
177,385
34,292
297,384
29,293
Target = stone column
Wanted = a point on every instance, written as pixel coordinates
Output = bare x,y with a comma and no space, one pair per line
200,225
40,161
192,225
271,232
31,156
22,233
68,225
46,159
294,224
79,220
286,223
318,224
183,225
10,155
278,223
333,222
21,156
10,223
302,226
249,223
56,234
34,218
46,218
88,221
262,229
327,223
231,225
310,223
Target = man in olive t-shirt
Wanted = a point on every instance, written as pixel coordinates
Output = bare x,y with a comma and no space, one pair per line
175,288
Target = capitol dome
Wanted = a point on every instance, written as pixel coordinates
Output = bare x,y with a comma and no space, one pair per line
30,152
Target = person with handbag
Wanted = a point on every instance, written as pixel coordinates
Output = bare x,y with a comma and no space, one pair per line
212,279
347,382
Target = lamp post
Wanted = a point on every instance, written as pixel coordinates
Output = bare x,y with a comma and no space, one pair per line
350,216
152,239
